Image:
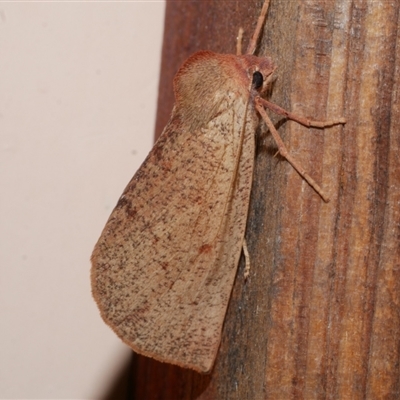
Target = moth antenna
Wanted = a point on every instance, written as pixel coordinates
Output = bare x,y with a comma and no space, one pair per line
239,42
260,23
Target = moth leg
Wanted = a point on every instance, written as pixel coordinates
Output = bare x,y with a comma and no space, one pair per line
284,152
256,35
246,259
301,120
239,42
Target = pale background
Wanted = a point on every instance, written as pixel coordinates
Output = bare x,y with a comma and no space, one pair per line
78,87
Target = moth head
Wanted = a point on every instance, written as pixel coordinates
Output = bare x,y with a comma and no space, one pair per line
260,74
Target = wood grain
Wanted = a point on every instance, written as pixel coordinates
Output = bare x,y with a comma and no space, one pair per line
319,315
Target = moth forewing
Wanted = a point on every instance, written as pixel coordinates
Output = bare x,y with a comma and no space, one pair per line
164,266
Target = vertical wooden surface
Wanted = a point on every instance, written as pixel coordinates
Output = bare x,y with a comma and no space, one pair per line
319,316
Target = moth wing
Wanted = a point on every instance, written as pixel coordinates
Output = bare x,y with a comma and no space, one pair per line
164,266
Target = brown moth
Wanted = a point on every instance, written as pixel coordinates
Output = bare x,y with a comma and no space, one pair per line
164,266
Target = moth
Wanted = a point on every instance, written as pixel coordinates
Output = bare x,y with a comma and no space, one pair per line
164,266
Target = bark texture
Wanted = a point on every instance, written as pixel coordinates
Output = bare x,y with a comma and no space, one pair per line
319,316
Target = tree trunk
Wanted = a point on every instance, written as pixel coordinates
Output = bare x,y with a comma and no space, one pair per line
318,316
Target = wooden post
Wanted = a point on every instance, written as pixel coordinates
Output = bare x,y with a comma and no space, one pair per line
319,316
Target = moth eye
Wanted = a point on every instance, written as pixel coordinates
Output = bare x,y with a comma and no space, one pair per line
257,80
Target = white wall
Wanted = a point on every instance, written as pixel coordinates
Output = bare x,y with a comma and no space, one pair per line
78,87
